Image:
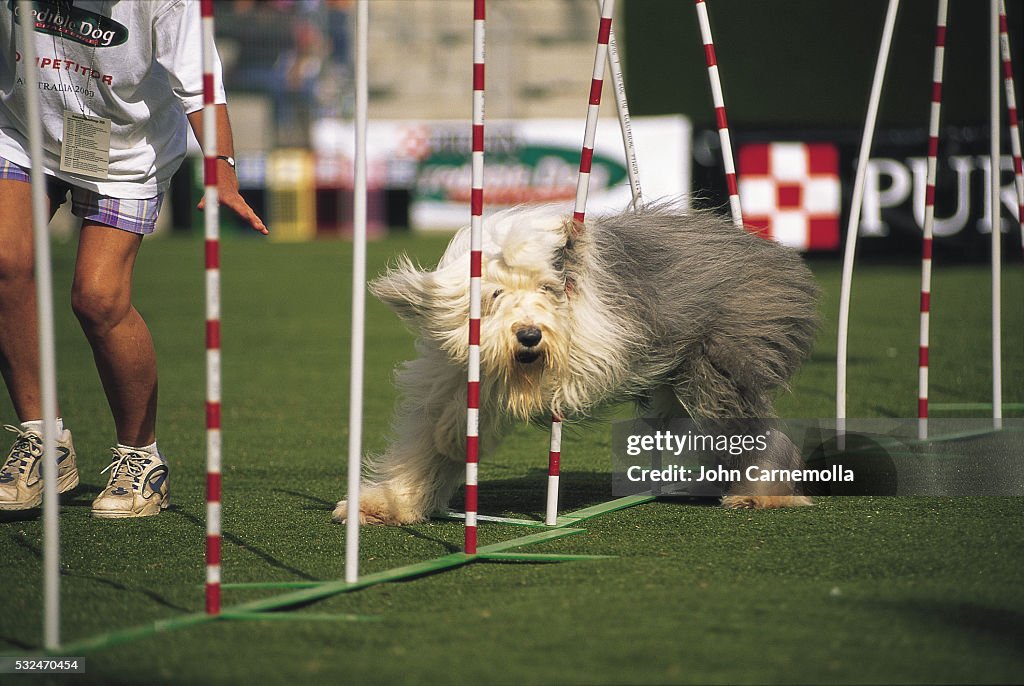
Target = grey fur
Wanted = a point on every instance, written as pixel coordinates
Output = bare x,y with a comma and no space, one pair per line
722,316
680,311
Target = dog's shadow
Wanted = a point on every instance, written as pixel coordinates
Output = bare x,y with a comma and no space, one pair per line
525,496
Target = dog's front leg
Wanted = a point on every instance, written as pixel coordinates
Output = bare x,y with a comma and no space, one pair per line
425,464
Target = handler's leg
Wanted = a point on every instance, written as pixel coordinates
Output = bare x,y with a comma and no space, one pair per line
21,483
126,362
120,340
19,333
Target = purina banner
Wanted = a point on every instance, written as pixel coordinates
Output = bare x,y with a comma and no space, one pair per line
797,188
526,161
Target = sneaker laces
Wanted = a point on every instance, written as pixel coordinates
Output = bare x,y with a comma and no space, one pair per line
27,447
126,466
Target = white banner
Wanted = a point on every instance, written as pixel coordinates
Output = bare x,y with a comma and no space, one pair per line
525,161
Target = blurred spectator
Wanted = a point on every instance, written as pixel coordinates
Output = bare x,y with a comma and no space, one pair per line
297,52
251,34
295,80
337,93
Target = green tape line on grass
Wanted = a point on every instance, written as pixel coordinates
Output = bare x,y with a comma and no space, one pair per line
972,433
512,521
298,617
330,588
114,638
539,557
306,594
273,584
973,406
887,442
551,534
298,597
604,508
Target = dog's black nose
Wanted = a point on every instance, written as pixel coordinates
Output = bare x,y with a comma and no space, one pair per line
528,336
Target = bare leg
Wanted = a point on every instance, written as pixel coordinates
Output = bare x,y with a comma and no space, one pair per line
19,333
121,342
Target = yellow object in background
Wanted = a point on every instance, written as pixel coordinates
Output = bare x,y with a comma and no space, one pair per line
291,195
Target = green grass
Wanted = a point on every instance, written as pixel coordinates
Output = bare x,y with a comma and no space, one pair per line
853,590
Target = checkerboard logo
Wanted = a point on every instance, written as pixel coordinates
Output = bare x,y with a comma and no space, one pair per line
791,193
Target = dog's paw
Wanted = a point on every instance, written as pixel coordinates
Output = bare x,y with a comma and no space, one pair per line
340,515
762,502
377,506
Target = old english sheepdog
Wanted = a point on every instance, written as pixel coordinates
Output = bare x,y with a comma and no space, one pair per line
677,310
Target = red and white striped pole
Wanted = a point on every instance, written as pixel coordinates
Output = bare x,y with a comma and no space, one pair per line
579,214
594,107
1011,110
929,220
723,123
554,470
475,262
211,215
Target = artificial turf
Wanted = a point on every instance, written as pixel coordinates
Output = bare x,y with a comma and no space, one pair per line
871,589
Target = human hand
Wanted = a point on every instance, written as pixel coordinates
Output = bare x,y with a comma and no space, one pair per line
227,193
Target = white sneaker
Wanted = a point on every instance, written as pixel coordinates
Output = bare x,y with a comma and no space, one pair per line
21,477
137,487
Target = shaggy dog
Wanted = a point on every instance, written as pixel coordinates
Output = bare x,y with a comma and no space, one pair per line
679,311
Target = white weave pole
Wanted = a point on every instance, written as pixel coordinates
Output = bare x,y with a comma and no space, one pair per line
997,295
355,417
622,109
855,209
47,351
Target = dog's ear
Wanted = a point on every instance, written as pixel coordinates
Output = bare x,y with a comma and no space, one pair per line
571,230
404,289
432,302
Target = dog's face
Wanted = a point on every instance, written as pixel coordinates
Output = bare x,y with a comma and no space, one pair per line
523,337
525,304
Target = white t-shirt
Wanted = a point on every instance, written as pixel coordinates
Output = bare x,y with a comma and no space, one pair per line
137,63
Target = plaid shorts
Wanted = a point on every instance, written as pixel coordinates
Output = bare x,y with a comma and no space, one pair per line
135,216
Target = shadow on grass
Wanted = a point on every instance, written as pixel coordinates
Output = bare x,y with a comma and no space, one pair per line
70,499
240,542
526,496
12,516
315,503
983,623
448,546
103,581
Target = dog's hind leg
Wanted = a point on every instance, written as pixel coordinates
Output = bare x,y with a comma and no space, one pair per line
663,403
708,391
780,454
